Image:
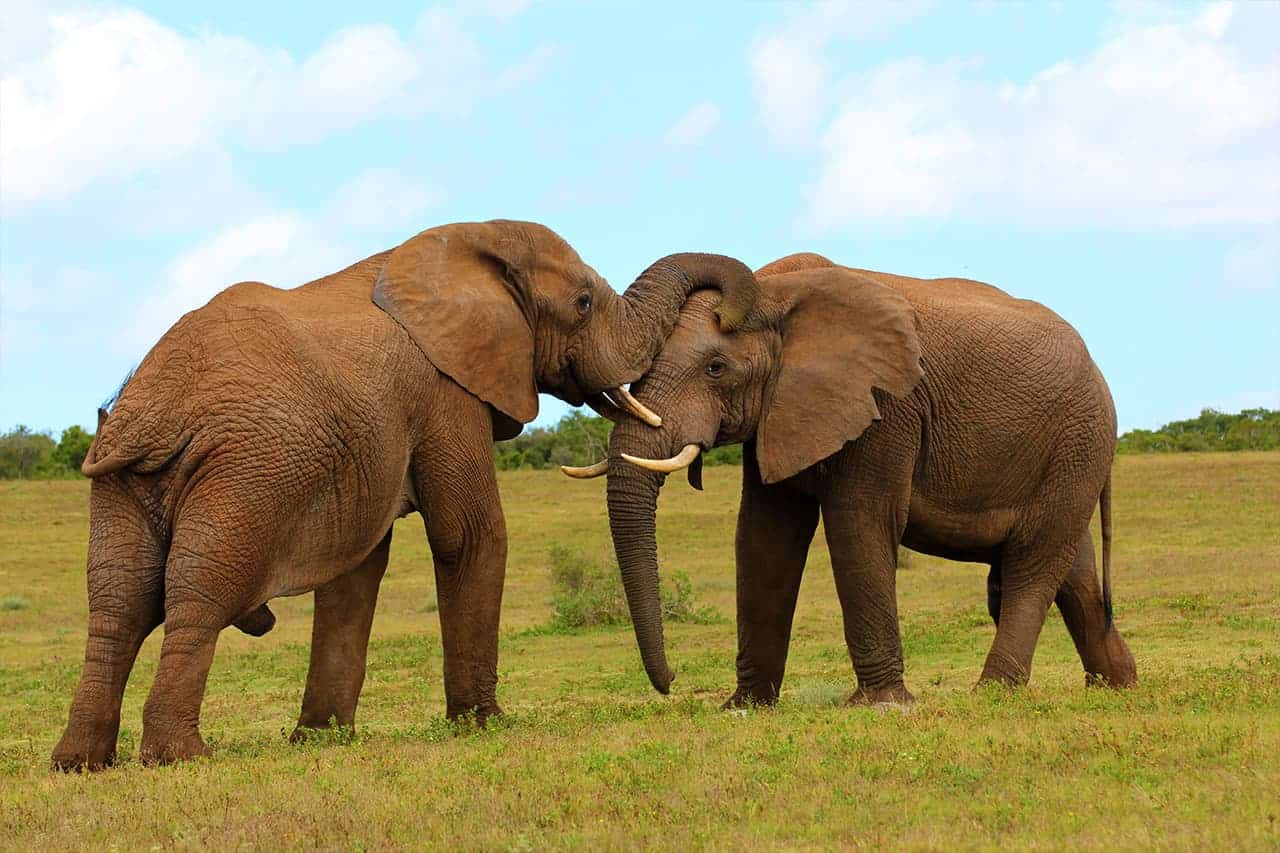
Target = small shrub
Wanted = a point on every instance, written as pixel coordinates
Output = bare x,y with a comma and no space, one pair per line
14,602
587,593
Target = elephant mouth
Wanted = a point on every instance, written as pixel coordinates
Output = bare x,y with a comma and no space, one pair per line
568,385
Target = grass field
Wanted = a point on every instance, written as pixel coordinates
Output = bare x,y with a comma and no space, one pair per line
589,756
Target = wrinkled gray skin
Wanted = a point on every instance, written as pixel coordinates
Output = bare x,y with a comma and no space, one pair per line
942,415
268,441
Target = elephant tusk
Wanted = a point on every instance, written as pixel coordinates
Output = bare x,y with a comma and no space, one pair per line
597,470
635,407
683,459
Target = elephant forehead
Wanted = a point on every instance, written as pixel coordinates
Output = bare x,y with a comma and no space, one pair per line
697,326
699,311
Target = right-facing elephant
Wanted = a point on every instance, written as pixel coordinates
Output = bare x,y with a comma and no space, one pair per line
943,415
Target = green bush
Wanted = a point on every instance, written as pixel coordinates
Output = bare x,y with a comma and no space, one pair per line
29,455
578,439
587,593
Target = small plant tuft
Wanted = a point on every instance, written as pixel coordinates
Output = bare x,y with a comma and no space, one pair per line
14,602
588,593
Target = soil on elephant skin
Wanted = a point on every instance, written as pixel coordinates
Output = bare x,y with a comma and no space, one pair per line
589,756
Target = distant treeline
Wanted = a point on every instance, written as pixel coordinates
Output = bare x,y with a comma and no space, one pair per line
28,455
577,439
1251,429
580,439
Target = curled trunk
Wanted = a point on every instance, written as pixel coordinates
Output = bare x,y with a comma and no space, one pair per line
646,313
633,501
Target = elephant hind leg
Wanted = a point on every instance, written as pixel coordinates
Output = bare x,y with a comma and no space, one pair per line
1103,652
212,576
340,644
125,585
1029,577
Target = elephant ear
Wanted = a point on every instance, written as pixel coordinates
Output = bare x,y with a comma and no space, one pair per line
843,334
462,292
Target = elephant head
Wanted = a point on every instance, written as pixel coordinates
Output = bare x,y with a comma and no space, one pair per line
508,309
795,379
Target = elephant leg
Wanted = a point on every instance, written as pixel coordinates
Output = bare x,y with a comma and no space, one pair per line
171,717
775,528
211,578
457,484
339,644
125,574
1030,576
1103,652
864,556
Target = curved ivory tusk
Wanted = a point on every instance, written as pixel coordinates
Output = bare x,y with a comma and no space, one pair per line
635,407
683,459
597,470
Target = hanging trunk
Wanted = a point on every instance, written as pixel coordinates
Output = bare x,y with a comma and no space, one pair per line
633,500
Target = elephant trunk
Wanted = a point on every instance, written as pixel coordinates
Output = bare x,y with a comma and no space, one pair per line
648,309
633,500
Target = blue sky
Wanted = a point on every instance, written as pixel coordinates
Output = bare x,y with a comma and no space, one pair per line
1120,163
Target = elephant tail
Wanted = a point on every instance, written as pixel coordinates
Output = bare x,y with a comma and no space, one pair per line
1104,510
125,442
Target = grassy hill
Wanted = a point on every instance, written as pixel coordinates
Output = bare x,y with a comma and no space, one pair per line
589,756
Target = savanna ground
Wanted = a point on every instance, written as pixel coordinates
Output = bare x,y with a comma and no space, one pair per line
589,756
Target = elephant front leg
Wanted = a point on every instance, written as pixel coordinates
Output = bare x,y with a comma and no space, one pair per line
775,528
340,644
468,538
864,555
470,562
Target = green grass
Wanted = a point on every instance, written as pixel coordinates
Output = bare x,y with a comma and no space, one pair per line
589,756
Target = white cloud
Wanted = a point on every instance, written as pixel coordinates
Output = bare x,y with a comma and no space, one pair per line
1169,124
694,126
790,71
280,249
111,94
382,199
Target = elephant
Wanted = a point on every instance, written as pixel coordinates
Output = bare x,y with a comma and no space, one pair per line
269,440
943,415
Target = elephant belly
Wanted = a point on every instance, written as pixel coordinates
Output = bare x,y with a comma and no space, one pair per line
344,519
956,533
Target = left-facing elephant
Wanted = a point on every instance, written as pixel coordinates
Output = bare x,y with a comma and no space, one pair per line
268,441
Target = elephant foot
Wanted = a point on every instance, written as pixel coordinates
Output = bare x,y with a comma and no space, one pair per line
80,750
1113,665
331,728
480,714
167,749
747,698
893,696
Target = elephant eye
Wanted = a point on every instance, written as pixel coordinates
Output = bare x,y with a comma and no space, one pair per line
715,368
583,303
